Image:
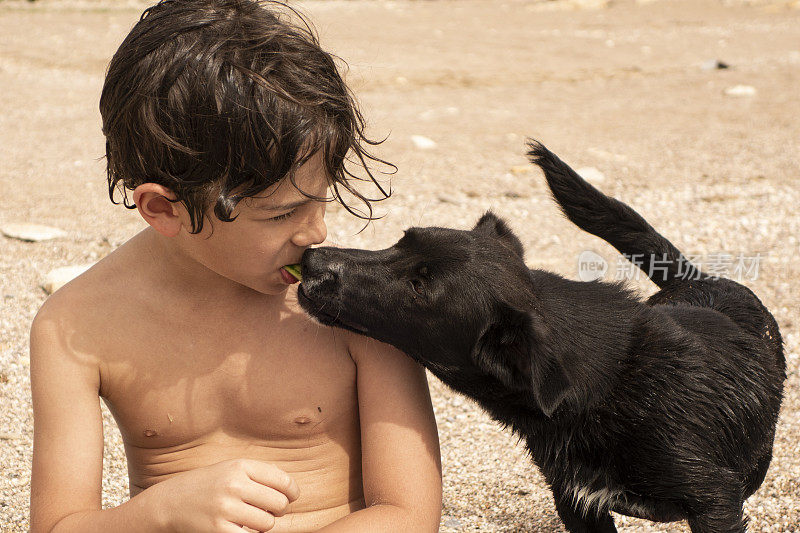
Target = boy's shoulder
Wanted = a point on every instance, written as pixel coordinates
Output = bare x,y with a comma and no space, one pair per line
73,331
94,291
84,307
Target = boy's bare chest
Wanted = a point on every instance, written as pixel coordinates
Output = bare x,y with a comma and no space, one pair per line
280,380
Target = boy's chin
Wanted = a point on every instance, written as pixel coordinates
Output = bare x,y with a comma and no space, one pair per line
269,287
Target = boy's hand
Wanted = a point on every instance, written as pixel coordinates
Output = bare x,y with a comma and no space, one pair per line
226,496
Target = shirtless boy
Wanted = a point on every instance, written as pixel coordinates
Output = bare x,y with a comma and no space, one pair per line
227,127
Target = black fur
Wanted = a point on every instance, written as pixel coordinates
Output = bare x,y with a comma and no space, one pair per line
664,409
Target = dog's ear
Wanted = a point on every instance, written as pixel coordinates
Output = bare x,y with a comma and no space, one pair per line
549,381
503,349
493,226
508,350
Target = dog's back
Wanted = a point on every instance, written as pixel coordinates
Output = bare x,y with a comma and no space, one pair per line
681,282
723,316
723,329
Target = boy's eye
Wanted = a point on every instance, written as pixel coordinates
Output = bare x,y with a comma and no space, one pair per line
284,216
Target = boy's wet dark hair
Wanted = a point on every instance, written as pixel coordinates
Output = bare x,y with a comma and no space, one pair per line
219,99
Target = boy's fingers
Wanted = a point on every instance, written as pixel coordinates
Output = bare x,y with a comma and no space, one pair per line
230,527
252,517
266,498
272,476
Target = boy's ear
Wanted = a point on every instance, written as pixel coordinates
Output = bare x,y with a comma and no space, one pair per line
493,226
506,351
158,208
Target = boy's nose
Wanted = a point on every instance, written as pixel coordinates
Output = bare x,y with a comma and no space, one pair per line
314,231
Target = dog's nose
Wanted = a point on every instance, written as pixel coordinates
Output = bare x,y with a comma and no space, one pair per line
326,281
321,270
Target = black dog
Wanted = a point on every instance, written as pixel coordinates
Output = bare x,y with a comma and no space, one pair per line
664,409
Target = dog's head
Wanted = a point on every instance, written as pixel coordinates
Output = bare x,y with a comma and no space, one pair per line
459,302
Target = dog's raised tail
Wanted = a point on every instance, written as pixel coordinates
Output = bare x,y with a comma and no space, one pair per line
611,220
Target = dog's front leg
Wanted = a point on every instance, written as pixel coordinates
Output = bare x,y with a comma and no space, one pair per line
576,522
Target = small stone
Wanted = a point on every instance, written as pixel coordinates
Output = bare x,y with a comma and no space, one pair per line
59,277
713,64
591,174
591,4
10,436
422,142
513,195
521,169
452,522
605,154
741,90
32,232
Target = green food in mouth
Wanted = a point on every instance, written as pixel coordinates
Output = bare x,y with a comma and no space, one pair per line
294,270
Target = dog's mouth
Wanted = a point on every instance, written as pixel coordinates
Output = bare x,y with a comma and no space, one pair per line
325,314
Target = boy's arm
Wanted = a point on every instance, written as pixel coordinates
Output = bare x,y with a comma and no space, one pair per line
399,441
68,429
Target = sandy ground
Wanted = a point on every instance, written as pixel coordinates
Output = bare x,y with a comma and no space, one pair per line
620,89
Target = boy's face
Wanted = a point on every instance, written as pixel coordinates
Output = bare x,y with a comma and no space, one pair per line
270,230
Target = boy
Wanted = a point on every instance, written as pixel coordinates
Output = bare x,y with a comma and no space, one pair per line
229,126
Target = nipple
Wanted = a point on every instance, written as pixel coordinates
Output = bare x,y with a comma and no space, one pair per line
302,420
150,433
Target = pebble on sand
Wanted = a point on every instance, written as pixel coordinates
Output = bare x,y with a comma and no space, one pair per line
605,154
591,4
422,142
59,277
521,169
453,522
741,90
32,232
591,174
714,64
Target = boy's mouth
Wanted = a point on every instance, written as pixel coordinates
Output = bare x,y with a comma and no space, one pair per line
288,277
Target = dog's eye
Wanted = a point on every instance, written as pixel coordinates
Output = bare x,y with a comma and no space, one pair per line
418,287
